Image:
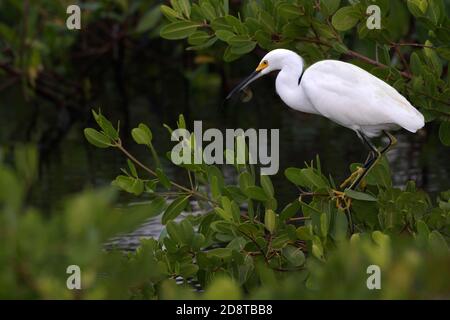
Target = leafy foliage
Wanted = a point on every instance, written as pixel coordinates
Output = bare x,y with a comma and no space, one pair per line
243,245
411,50
244,236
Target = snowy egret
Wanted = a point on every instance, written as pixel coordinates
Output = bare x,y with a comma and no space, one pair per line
343,93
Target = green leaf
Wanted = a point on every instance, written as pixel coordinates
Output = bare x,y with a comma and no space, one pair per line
329,6
229,56
295,176
216,191
106,126
149,20
96,138
340,47
423,231
178,30
340,226
444,52
208,10
288,11
290,30
205,45
226,205
182,232
225,6
239,41
317,249
290,210
236,24
243,48
324,224
437,242
175,208
434,11
416,64
185,6
245,181
359,195
140,136
294,255
223,288
132,168
304,233
198,37
147,130
270,220
267,21
432,58
129,184
222,253
256,193
236,211
169,13
163,178
306,178
224,35
345,18
226,215
417,7
444,133
267,185
156,206
188,270
221,24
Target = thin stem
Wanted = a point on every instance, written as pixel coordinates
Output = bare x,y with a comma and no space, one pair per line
190,180
394,44
402,58
356,55
176,185
359,56
299,219
155,155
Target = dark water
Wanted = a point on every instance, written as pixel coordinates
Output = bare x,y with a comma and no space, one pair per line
157,95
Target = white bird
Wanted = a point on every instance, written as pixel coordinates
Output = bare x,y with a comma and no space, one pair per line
343,93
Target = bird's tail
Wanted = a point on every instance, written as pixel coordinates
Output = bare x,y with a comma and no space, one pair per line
411,119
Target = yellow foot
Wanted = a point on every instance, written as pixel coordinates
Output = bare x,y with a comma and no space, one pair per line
353,177
342,201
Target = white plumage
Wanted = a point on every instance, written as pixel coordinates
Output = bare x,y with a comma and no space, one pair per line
342,92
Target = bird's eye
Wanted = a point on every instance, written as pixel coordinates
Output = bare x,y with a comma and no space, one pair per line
265,62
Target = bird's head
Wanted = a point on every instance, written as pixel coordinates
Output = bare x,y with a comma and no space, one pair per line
272,61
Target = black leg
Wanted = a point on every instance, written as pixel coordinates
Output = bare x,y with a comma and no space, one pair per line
363,137
372,149
369,164
392,142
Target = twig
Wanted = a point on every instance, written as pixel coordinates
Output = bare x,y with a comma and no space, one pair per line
402,58
299,218
176,185
394,44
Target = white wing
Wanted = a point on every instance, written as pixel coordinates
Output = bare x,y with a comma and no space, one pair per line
356,99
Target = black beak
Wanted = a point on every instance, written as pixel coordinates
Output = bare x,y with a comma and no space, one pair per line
243,84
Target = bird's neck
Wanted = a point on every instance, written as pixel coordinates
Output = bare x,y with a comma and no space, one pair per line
289,76
288,86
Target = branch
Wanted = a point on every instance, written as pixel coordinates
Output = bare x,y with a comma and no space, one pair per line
153,173
361,57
